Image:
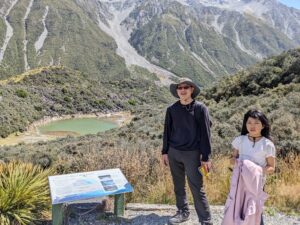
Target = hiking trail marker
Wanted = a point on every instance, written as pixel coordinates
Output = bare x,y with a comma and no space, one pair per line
73,187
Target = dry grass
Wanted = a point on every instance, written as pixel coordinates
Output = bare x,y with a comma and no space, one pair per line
284,187
152,181
33,72
143,169
218,183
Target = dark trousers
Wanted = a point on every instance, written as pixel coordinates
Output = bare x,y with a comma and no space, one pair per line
262,220
186,163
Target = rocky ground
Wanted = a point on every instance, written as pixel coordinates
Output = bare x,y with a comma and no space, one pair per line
148,214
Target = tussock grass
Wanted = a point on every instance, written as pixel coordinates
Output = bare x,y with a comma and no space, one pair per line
143,169
24,193
218,183
152,181
283,188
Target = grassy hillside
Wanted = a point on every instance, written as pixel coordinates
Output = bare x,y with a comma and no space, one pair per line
53,91
271,73
272,86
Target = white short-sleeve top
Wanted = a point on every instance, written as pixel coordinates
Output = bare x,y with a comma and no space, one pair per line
257,153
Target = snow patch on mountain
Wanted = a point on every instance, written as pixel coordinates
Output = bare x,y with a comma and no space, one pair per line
25,41
63,48
183,2
181,47
254,7
242,47
51,61
200,60
218,25
9,30
40,42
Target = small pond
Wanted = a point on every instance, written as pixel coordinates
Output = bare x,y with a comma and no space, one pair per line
77,126
52,128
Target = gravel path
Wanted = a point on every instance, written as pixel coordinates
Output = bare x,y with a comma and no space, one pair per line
147,214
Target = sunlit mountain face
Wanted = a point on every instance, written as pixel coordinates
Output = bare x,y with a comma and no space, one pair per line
202,39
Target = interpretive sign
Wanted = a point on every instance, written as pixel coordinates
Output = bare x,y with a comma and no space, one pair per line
87,185
83,186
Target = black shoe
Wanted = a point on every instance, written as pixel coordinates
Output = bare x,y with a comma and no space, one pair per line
180,217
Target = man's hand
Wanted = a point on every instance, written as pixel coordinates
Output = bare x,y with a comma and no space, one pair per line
206,165
165,159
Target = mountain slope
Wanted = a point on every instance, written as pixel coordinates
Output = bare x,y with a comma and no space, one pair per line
272,12
272,86
59,33
201,39
187,47
271,73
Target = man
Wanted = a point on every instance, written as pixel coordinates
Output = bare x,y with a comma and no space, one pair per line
186,147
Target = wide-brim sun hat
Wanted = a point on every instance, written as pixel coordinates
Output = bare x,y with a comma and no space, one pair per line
184,80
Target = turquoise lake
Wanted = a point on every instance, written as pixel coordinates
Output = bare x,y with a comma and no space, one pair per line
79,126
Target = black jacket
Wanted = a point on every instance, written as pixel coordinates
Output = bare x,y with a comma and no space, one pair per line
187,128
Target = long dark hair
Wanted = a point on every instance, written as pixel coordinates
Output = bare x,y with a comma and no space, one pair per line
256,114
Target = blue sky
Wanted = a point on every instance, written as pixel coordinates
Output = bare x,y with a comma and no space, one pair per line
291,3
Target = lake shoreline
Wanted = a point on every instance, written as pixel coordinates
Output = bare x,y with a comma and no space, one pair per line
33,134
47,119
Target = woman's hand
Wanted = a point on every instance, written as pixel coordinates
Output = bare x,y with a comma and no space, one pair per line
233,161
235,155
270,167
165,159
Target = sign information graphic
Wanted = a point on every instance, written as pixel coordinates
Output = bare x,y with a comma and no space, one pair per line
87,185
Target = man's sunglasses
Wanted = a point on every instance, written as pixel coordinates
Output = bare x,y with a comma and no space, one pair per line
183,87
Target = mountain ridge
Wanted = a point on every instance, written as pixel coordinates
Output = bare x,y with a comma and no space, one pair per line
104,38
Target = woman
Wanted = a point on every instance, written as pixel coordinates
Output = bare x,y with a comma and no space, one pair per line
254,145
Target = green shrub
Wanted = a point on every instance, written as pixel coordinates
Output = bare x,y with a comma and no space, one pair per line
64,90
21,93
67,99
131,102
98,102
38,108
24,193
